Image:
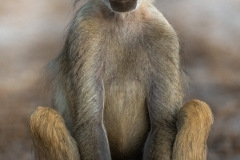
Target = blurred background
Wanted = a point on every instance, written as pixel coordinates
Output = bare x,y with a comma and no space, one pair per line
32,33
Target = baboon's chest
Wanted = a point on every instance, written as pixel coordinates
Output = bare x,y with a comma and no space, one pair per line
125,111
125,115
125,61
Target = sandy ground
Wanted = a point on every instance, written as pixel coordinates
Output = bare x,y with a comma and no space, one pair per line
32,33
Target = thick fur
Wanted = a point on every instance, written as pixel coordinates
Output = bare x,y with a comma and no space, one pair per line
194,121
118,82
50,136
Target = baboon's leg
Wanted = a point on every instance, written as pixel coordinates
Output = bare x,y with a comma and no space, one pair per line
193,124
51,139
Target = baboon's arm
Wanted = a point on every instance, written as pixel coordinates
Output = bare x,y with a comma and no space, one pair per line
165,93
194,121
82,66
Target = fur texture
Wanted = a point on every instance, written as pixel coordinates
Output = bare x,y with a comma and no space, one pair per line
118,84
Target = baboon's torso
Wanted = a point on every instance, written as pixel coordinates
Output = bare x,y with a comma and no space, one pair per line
126,70
122,54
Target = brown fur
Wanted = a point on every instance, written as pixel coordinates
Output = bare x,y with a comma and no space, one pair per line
118,83
50,136
193,123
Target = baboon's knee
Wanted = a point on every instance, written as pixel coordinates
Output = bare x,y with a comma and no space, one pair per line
196,115
50,136
194,122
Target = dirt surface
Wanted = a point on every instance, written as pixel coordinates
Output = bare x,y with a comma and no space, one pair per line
32,33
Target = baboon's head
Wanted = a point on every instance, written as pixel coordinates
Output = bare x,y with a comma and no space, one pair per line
124,5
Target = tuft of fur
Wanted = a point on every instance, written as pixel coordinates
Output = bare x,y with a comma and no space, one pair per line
194,122
50,136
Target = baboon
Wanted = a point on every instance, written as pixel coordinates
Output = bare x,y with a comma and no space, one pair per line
118,90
